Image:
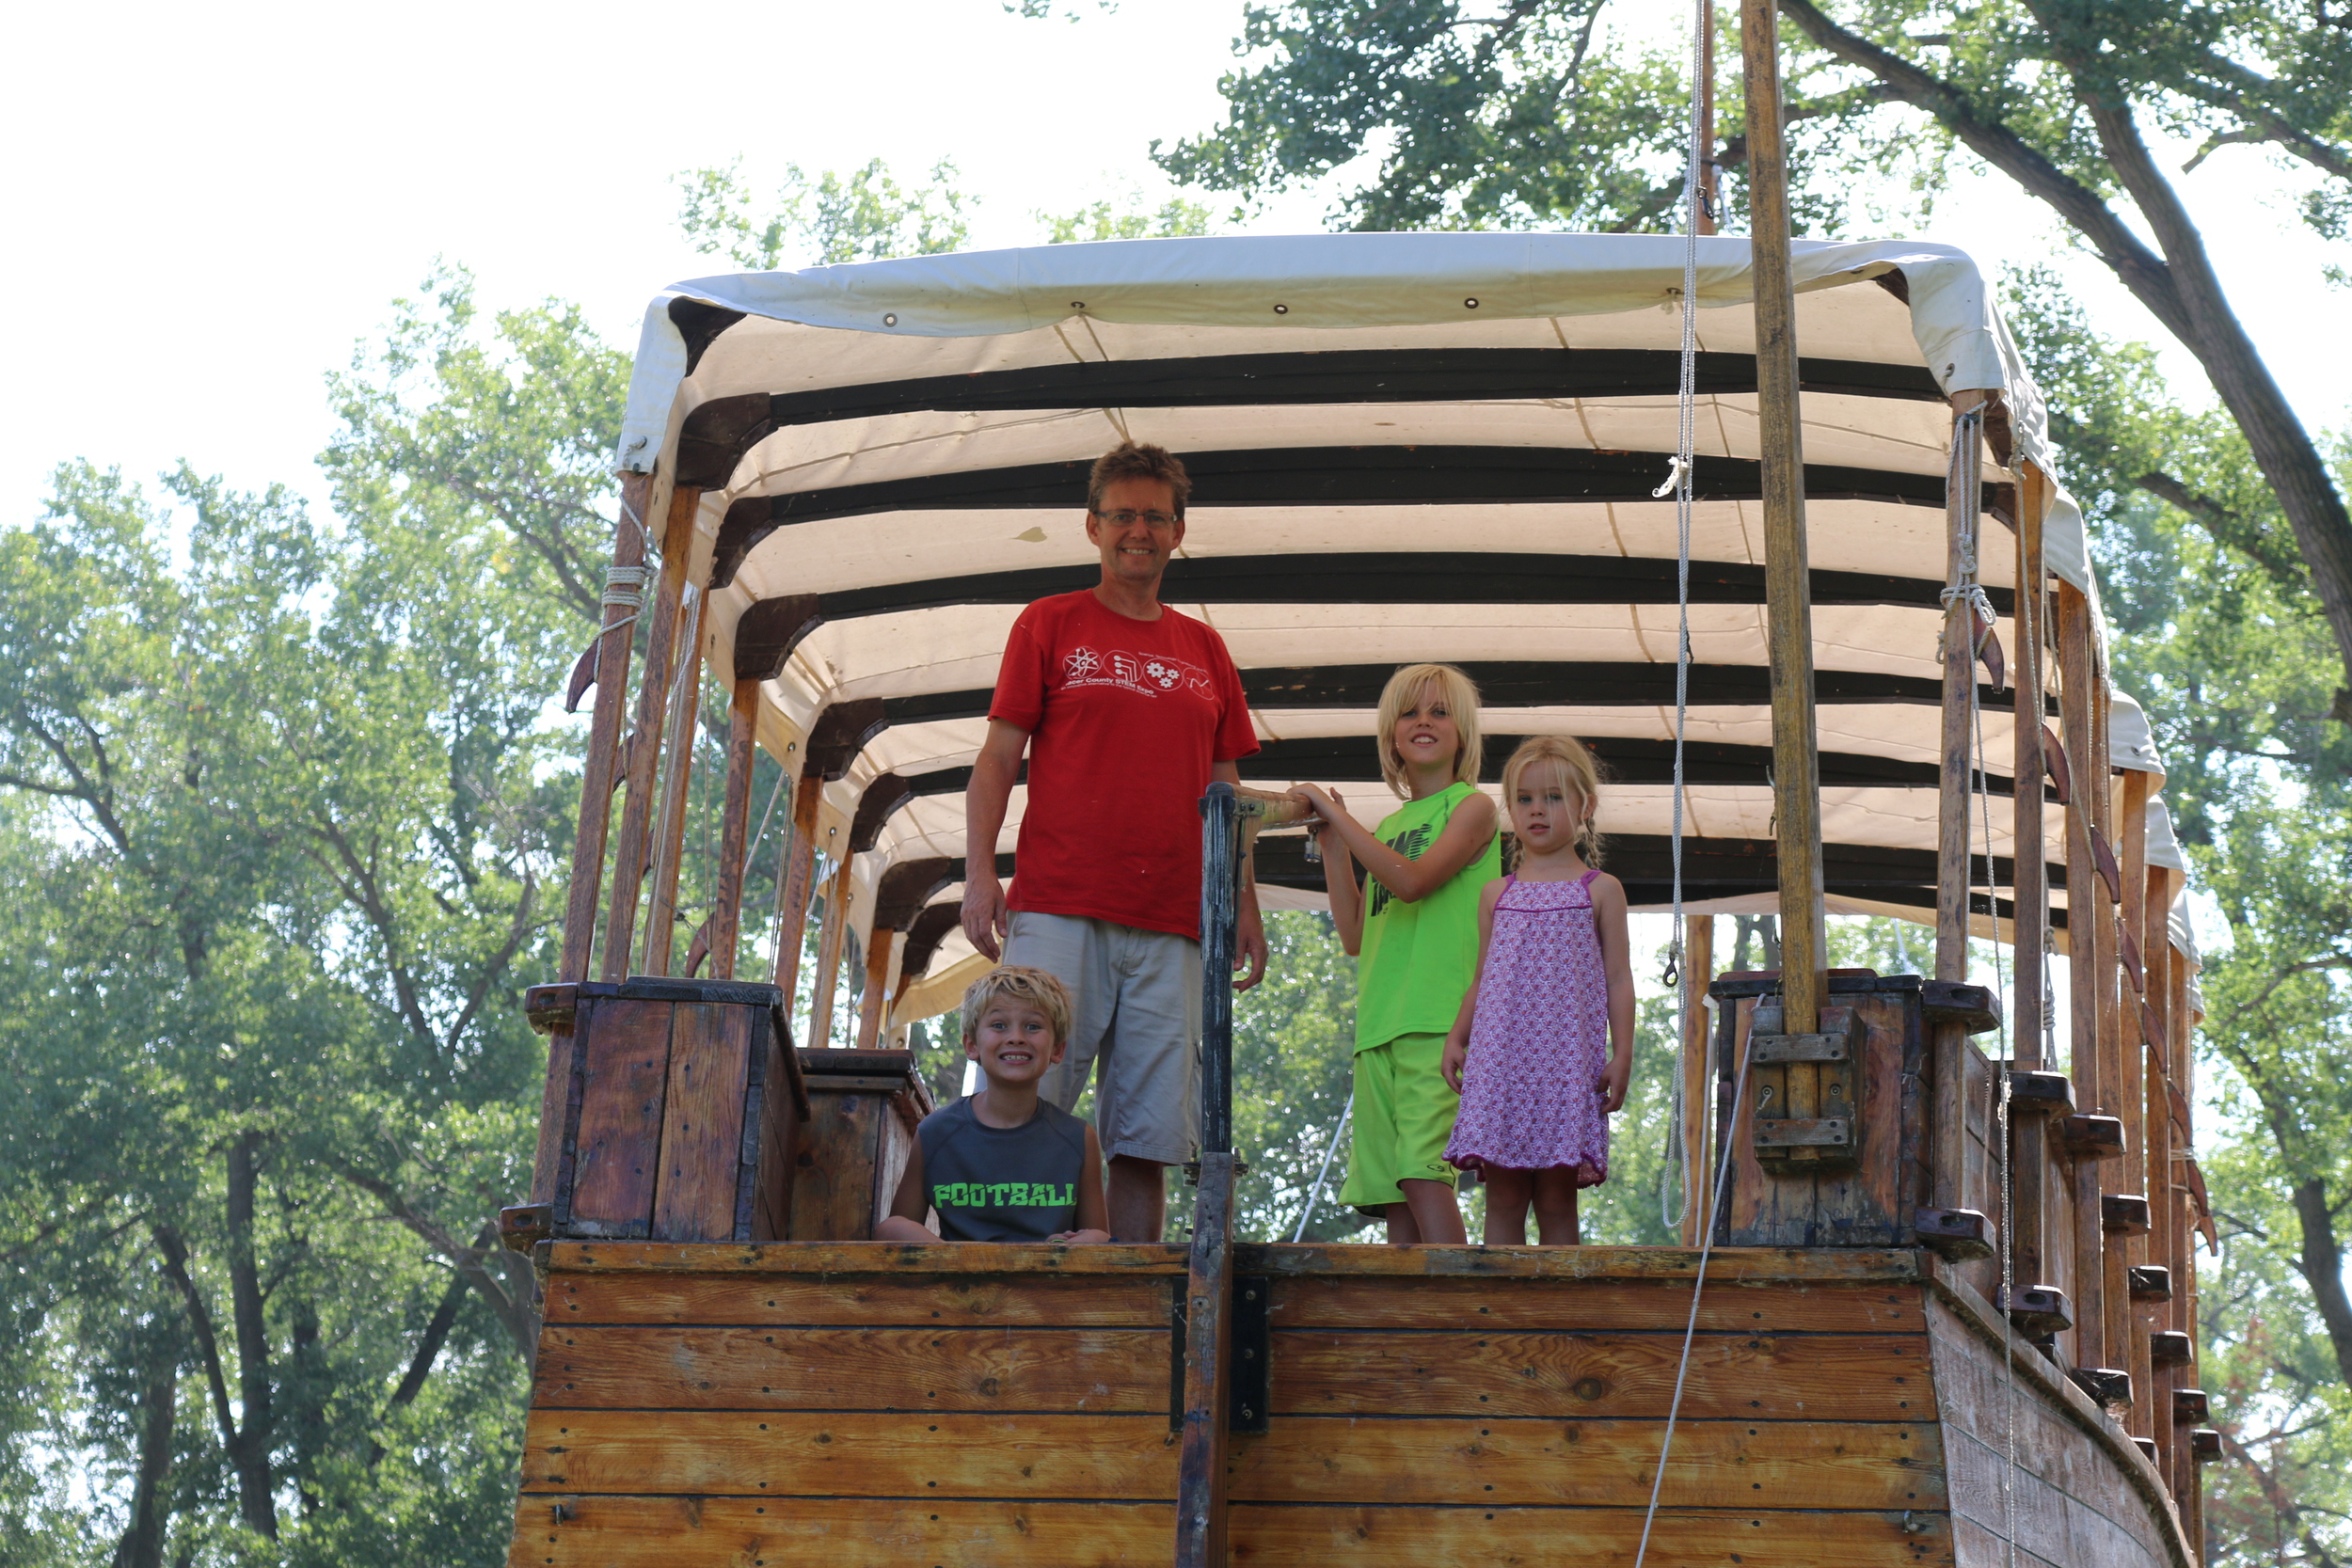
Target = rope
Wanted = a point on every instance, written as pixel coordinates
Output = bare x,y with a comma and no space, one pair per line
1332,1148
1677,973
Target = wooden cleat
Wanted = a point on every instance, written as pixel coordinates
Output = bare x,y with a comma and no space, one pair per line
1975,1008
2049,1094
2107,1385
2205,1443
525,1224
2170,1347
2150,1282
2038,1310
2123,1214
552,1009
2146,1446
2092,1137
2190,1407
1957,1235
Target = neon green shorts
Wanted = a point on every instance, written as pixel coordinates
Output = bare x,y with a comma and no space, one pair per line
1404,1116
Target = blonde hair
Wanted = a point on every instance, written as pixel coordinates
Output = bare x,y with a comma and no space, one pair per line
1583,777
1017,983
1460,695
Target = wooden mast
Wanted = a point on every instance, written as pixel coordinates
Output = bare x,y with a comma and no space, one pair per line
1796,754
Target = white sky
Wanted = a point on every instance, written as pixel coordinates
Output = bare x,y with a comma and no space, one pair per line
213,204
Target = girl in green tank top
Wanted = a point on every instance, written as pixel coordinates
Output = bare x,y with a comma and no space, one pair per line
1412,923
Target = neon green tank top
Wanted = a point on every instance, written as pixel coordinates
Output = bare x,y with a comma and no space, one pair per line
1418,961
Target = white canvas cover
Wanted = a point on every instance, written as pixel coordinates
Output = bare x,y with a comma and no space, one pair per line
912,407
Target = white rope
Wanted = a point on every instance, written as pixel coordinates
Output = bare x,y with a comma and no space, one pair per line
1678,973
1332,1148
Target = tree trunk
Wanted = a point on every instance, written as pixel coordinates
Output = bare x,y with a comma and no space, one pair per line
142,1544
428,1351
2322,1267
250,1453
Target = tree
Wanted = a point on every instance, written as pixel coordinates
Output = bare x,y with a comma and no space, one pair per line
1537,113
864,216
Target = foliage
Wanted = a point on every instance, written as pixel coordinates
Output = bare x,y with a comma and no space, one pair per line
1104,221
863,216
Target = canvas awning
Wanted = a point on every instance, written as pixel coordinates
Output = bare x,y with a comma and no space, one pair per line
1404,447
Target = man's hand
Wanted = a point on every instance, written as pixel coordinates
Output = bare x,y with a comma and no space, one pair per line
985,920
1248,944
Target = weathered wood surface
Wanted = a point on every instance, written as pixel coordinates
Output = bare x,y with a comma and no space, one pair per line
1375,1537
644,747
623,1077
1699,1053
864,1107
702,1122
864,1257
850,1454
852,1369
2083,1492
1086,1300
1326,1302
1881,1377
1775,1465
1200,1481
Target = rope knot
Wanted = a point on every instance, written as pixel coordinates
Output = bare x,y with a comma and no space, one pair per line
1677,475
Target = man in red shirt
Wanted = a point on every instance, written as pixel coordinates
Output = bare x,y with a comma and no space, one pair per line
1128,710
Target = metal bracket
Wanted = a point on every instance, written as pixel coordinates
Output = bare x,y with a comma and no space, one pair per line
1251,1379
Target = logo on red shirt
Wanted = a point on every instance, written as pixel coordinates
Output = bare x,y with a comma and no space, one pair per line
1148,674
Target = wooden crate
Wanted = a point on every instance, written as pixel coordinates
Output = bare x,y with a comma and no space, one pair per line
684,1113
864,1107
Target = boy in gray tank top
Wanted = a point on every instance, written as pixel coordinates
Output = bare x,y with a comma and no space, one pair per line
1004,1164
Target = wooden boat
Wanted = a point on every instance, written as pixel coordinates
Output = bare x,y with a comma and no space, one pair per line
1942,1310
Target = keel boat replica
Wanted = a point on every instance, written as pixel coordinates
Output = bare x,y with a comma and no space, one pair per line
1774,527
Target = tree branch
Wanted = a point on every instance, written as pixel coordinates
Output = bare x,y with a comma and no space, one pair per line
514,1311
174,1252
517,932
361,889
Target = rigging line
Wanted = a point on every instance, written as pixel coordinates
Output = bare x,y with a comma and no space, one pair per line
1679,972
1332,1148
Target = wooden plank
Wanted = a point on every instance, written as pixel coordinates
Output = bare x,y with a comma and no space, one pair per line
604,737
1698,1166
1201,1473
1116,1369
1117,1301
1789,610
735,827
795,874
702,1122
850,1454
748,1532
833,1193
1329,1302
1589,1463
2027,771
644,753
624,1076
1588,1537
828,955
780,1127
677,783
880,943
1876,1377
1955,774
2089,934
1865,1204
881,1258
1729,1264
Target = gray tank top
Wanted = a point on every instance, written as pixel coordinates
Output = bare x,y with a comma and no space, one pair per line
1003,1183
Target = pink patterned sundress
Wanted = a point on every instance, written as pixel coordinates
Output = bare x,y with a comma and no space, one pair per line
1540,1039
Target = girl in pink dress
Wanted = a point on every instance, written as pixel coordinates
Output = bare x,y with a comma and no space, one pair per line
1544,1046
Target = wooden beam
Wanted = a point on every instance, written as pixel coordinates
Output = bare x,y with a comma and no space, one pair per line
2132,1096
881,946
2154,1158
676,781
2089,934
829,954
795,872
2115,1087
2027,773
735,826
1200,1466
1947,1151
596,806
1796,763
1698,1080
644,754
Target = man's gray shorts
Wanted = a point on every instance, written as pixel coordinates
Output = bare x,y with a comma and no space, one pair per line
1136,998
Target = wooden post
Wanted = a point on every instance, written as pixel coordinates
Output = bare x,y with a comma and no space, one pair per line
596,806
735,826
670,841
2115,1089
880,945
1698,1162
2030,1142
1796,752
829,954
2088,932
2155,946
1201,1467
644,754
2188,1486
795,872
1955,794
2132,1094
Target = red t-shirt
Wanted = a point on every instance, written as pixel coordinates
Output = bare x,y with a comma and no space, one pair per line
1126,719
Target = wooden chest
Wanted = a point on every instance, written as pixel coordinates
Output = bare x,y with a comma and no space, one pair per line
864,1106
683,1118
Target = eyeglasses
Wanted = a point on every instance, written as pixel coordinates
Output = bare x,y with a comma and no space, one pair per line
1158,522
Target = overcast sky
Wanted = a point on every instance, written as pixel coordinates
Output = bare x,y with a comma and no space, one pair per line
213,204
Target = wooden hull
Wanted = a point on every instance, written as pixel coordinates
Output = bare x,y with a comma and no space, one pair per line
864,1403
